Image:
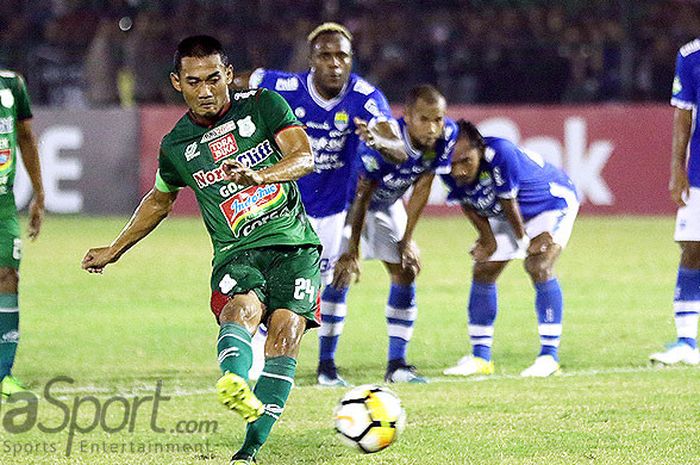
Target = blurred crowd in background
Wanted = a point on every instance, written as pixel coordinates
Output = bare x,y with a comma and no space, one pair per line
90,53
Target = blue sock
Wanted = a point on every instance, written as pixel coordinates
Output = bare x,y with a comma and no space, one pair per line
9,332
549,306
333,312
686,305
482,309
401,312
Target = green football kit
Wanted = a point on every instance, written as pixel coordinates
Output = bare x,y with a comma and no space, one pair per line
262,239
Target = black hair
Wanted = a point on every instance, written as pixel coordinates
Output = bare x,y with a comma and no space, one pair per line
425,92
468,130
198,46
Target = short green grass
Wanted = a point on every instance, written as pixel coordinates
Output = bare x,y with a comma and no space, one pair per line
147,319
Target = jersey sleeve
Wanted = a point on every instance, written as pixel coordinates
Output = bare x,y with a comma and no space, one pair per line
371,163
167,177
444,159
275,112
22,102
683,92
375,107
505,168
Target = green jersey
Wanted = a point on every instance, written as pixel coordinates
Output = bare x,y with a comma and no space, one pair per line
237,217
14,107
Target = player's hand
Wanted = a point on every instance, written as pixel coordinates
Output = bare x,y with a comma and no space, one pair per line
347,268
239,174
679,186
97,259
36,215
540,244
483,249
410,256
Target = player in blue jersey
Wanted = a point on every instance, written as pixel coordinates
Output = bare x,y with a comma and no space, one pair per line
329,100
523,208
685,192
385,227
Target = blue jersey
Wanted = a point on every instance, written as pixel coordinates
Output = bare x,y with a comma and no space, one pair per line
394,180
330,126
509,172
686,95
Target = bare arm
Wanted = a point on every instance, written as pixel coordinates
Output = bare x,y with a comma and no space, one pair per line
678,185
348,263
153,209
30,157
511,210
297,161
384,138
485,244
419,198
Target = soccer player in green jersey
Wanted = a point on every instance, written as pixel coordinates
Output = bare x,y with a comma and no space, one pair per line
15,132
240,153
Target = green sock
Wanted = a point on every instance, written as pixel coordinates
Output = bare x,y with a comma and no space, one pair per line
9,332
272,389
234,349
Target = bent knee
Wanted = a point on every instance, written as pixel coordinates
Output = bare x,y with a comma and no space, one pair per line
9,280
244,309
487,272
690,256
539,268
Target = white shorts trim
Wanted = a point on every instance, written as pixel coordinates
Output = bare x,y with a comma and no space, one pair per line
559,223
382,232
688,218
334,239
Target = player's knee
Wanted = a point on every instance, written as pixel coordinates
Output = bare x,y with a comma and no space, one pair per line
245,310
539,268
9,280
487,272
690,256
285,330
405,277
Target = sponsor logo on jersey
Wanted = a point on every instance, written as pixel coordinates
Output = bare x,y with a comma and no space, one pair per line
242,95
372,107
6,98
218,131
250,204
299,112
370,163
5,159
249,158
223,148
341,120
4,143
286,84
363,87
191,151
677,86
7,125
246,127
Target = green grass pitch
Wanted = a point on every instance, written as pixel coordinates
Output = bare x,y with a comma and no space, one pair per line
147,319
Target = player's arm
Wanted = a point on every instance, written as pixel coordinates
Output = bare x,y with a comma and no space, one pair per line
414,208
485,244
297,161
383,136
348,264
30,157
679,185
153,209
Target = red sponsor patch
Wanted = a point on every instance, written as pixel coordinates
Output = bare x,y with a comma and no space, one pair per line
224,147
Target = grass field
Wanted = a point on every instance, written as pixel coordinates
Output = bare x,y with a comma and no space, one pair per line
147,319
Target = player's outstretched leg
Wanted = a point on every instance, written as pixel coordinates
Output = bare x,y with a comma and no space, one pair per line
686,306
276,381
235,354
333,312
401,313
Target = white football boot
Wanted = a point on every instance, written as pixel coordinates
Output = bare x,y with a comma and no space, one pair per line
470,365
544,366
679,352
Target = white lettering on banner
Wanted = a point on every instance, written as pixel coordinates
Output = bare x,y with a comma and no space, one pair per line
54,170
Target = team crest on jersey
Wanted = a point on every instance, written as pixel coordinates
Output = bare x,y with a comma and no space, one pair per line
246,127
251,204
6,98
485,179
191,151
223,148
341,120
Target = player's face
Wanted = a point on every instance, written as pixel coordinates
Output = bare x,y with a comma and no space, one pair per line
425,122
465,161
331,62
203,82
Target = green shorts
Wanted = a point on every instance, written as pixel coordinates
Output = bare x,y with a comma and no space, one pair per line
281,276
10,243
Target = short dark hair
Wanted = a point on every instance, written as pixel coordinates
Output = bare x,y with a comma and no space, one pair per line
198,46
468,130
425,92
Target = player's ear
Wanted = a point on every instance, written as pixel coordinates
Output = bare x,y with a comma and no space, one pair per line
175,82
229,75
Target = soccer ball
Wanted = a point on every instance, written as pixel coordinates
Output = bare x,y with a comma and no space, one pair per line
369,418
